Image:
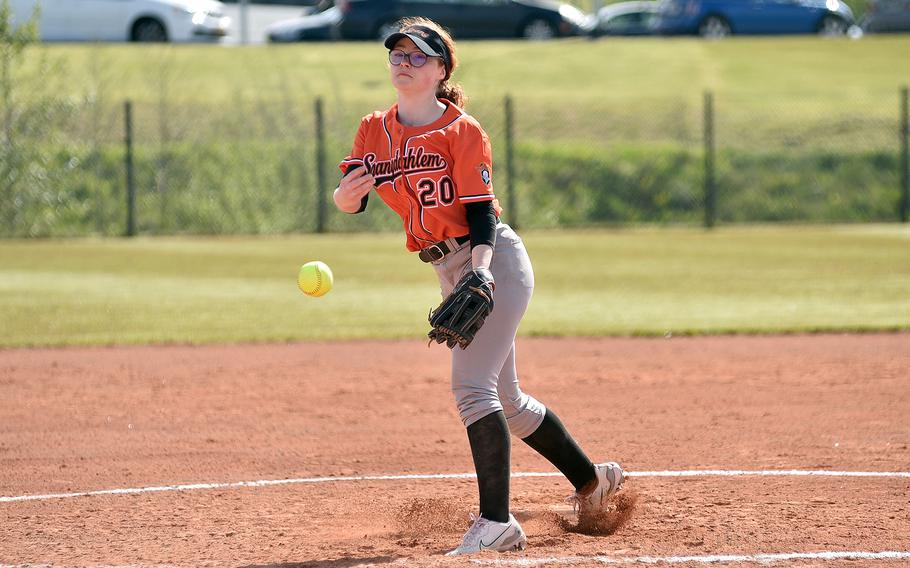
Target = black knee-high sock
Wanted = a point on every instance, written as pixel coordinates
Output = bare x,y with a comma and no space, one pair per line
552,441
491,449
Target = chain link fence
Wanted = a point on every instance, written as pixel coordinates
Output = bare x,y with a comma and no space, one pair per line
254,168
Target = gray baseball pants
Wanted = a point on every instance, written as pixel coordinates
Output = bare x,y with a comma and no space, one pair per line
484,377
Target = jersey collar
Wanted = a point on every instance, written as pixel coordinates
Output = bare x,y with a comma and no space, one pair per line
449,114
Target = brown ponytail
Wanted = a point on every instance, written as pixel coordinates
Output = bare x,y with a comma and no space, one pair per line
447,89
451,92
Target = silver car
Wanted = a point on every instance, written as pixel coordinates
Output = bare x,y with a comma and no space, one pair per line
637,17
125,20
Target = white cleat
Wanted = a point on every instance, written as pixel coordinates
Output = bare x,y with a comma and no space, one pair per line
610,477
490,535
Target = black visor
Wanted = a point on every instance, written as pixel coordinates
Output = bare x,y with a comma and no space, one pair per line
426,40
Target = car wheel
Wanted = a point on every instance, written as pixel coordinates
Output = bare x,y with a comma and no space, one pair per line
149,30
714,27
538,30
386,29
832,26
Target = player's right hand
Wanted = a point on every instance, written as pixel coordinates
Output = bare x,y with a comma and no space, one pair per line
357,183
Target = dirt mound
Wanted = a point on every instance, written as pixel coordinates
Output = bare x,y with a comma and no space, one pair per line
417,517
605,523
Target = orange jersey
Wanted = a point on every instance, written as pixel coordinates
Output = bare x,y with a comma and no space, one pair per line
428,173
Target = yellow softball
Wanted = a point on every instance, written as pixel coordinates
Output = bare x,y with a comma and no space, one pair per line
315,278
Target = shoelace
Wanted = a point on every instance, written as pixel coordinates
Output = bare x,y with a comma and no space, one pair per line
472,538
574,500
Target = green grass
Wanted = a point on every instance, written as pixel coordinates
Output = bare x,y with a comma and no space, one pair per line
267,188
647,281
610,69
607,131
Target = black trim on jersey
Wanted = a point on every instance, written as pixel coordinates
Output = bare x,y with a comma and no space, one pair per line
407,144
454,120
363,204
480,198
481,223
409,227
419,206
357,162
388,135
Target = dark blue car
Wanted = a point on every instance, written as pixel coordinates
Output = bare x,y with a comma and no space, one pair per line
372,19
720,18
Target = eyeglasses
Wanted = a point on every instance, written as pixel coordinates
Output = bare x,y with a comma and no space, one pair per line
415,58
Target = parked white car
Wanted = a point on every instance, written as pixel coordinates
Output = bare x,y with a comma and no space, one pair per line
125,20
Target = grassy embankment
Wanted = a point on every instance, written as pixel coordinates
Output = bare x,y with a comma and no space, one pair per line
607,131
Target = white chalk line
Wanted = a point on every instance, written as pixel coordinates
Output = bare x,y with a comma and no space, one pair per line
763,558
421,476
706,559
89,566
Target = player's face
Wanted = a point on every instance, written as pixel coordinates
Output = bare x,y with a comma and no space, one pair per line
408,78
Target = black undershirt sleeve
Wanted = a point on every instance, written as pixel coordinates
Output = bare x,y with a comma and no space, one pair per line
364,199
363,204
481,223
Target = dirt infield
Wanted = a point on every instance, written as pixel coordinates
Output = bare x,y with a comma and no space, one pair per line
80,420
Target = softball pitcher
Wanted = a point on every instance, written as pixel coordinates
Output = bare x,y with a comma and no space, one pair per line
432,164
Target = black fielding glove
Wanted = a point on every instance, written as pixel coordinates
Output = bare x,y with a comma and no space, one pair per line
460,316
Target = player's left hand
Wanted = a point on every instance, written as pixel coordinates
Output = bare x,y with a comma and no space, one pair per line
460,316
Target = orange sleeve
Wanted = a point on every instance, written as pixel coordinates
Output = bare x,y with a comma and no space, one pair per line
473,169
